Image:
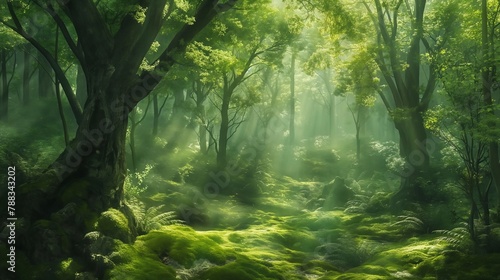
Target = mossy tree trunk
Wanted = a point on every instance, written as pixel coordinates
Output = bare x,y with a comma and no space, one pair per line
408,102
87,178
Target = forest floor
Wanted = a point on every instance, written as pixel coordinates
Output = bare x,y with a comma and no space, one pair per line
278,237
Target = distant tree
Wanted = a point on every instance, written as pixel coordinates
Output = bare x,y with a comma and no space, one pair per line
9,40
260,38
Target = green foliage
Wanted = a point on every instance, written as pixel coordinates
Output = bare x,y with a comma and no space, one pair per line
68,268
358,76
385,154
347,253
151,218
457,238
134,183
242,268
409,224
357,205
182,245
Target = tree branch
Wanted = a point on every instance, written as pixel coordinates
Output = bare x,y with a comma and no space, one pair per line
70,95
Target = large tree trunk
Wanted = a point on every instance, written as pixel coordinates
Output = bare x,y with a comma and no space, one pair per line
404,85
413,148
87,178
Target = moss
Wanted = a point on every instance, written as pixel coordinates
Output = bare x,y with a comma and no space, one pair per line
359,276
217,238
68,268
318,267
235,237
86,217
141,268
183,245
242,269
297,240
459,266
371,270
331,275
113,223
316,220
75,192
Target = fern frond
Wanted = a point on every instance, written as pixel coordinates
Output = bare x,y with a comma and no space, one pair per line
155,218
458,238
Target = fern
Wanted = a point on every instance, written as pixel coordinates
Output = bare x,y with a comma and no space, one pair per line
458,238
346,253
155,218
409,224
357,205
151,218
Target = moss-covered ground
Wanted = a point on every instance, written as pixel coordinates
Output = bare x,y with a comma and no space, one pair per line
278,237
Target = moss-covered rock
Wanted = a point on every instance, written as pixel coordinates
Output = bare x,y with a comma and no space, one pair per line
113,223
68,268
183,245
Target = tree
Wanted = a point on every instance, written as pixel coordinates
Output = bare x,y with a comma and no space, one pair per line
466,123
401,73
489,31
261,39
358,77
9,40
110,53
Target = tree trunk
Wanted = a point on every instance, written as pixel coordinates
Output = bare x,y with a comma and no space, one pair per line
331,118
26,76
133,126
292,101
224,127
404,85
58,95
87,178
488,77
45,77
202,131
413,148
4,104
177,123
200,95
156,115
81,86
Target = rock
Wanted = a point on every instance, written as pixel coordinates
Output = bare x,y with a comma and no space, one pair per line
97,243
113,223
336,194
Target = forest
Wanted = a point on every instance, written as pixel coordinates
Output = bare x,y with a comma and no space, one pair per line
249,139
